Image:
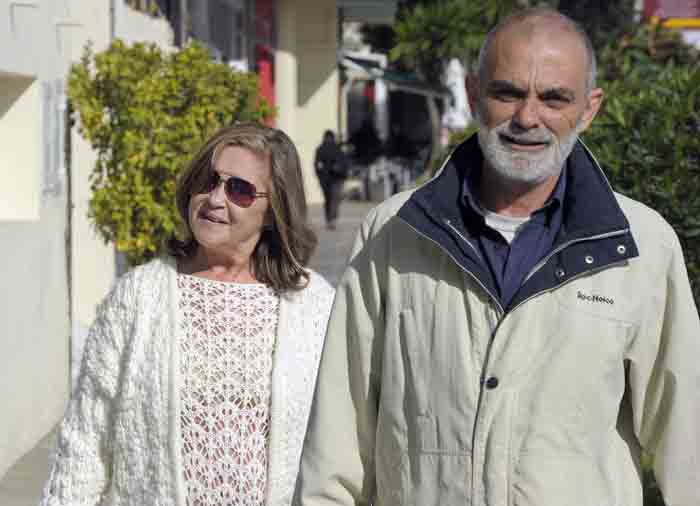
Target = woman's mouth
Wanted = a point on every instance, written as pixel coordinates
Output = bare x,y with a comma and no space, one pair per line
212,218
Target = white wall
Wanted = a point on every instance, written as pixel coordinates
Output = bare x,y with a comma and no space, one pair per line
34,312
39,39
133,26
20,161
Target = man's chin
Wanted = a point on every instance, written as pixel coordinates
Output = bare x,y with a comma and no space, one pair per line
523,174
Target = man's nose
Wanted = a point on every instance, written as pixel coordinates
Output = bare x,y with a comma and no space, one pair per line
526,115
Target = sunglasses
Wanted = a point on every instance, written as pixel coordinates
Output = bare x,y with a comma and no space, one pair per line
237,190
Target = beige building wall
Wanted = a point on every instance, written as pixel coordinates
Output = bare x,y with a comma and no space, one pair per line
20,163
47,286
306,78
34,309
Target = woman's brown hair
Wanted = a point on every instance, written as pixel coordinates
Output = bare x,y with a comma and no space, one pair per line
284,248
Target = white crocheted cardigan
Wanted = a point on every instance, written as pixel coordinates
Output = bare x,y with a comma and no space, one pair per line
119,443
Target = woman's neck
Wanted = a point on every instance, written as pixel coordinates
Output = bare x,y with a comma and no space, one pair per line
219,268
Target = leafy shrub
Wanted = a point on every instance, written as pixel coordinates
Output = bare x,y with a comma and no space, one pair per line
145,112
647,135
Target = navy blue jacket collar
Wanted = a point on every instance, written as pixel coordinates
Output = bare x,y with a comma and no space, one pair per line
593,224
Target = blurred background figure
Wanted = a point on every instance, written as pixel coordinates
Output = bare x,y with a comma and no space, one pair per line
332,169
366,142
198,373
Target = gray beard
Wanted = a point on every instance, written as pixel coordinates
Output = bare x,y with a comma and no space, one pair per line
524,168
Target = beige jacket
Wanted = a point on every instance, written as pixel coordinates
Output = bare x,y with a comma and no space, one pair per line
430,394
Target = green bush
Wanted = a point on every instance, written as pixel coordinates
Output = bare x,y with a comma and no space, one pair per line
647,135
647,138
146,112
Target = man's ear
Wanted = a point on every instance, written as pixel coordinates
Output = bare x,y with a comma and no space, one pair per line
595,99
473,91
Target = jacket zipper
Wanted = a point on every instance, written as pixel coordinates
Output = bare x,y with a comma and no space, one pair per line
466,271
456,231
488,345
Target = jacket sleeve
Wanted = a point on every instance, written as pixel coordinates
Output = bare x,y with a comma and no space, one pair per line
80,465
337,465
664,380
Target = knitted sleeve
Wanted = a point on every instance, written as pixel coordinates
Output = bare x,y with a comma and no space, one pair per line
81,462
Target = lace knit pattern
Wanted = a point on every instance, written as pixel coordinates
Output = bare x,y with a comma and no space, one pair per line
226,346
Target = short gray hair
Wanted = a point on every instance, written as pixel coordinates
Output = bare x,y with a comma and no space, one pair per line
541,13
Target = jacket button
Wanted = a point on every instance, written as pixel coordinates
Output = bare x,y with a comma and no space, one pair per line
492,382
621,249
589,259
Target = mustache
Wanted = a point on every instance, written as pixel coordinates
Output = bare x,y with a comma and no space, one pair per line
529,137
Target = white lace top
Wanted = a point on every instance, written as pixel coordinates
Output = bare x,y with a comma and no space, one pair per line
227,342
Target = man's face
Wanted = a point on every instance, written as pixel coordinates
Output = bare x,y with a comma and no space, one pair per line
533,103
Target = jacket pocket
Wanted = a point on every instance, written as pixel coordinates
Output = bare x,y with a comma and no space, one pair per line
438,478
411,371
544,480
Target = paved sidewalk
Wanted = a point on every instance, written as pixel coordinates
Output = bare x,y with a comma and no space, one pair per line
334,245
22,484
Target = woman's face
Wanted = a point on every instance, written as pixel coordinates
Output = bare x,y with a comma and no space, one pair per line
220,226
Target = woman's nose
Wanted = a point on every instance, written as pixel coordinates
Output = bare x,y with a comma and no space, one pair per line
218,195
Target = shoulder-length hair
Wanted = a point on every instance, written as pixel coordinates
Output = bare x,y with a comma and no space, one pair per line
286,244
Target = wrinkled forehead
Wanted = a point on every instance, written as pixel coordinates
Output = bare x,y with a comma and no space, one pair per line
529,52
555,29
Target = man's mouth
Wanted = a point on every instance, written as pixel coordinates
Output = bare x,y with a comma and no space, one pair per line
524,144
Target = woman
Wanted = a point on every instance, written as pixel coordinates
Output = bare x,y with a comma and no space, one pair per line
198,373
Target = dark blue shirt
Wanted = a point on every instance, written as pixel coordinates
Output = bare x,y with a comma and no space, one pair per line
509,264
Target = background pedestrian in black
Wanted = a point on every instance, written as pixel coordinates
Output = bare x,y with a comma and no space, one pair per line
331,169
366,142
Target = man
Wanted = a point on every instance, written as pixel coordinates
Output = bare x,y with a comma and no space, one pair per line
512,332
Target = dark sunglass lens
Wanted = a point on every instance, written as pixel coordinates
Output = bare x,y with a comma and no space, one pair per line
241,192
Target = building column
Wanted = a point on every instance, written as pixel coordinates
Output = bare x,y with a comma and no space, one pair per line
286,68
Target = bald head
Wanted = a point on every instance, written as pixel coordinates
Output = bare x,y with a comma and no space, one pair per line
540,21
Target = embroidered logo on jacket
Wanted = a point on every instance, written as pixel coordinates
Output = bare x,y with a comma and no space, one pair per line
595,298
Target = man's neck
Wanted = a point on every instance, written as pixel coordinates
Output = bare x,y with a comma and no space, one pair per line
509,198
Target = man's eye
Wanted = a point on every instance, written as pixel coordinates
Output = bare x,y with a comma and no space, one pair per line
506,96
556,100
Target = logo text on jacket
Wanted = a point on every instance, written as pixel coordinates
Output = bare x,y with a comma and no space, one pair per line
594,298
